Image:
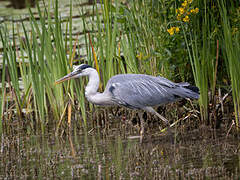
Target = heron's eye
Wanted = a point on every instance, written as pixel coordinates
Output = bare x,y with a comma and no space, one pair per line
78,70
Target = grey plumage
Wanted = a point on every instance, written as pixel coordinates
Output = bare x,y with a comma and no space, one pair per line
139,90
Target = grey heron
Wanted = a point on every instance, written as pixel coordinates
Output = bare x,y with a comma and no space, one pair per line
135,91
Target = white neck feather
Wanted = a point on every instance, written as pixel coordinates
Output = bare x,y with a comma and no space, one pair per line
91,90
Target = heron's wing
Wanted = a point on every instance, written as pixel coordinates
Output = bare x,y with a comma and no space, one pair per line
169,83
141,91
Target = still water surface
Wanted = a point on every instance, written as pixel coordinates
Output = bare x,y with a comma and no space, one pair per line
111,154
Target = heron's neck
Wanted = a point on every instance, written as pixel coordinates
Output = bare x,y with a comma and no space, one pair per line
91,91
93,83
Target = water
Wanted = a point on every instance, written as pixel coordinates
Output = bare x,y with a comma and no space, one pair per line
81,8
102,153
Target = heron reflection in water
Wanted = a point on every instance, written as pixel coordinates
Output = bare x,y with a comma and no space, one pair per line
135,91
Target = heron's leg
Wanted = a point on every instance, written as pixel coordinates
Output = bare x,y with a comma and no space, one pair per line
142,126
151,110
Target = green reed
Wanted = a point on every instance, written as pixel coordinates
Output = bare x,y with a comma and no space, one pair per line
231,49
144,38
9,58
44,63
205,40
199,51
203,54
3,88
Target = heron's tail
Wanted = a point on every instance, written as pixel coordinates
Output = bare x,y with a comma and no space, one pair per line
187,91
193,88
191,92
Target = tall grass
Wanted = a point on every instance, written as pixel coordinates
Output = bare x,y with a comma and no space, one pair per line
201,54
231,49
41,60
3,88
9,57
145,38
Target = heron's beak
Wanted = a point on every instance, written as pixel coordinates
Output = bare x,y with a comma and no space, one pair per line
65,78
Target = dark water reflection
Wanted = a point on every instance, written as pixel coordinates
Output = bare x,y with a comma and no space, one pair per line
91,155
20,4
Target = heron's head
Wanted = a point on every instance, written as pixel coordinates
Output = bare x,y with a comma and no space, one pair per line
78,71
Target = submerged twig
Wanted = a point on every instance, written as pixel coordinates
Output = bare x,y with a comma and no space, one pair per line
60,121
71,145
233,122
69,114
222,99
173,124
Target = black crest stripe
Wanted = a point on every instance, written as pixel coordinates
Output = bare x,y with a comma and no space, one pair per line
84,66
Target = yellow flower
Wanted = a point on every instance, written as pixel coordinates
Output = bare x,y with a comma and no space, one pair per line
184,4
181,10
196,10
176,11
177,29
179,17
171,31
186,19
